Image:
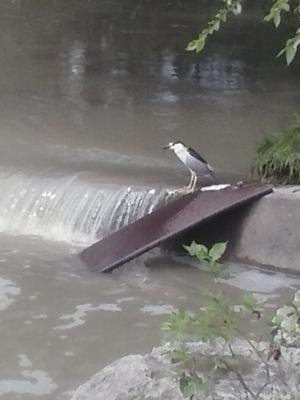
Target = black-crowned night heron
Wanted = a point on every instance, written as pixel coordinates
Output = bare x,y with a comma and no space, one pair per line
193,161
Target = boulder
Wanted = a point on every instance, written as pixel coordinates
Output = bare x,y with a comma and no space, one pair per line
151,377
133,377
286,323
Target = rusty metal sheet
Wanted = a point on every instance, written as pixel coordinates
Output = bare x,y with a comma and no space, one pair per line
166,222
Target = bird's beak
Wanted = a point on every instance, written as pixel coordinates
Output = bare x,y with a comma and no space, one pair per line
166,147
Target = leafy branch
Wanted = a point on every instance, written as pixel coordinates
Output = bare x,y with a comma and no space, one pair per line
218,319
230,7
278,9
216,326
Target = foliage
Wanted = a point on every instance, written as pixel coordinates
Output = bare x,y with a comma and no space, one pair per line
209,257
220,319
278,10
278,157
230,7
286,323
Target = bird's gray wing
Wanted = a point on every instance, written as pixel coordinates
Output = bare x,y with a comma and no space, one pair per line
196,155
198,166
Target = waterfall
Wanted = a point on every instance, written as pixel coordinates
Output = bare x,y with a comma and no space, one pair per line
67,208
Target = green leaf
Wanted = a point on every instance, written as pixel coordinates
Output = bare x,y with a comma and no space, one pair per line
286,7
177,322
290,54
197,250
216,252
281,52
277,20
192,45
223,16
200,45
278,7
268,18
237,9
216,25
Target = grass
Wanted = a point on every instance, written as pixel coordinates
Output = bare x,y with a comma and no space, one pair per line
278,157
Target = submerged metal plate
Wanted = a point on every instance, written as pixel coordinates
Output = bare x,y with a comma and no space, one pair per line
166,222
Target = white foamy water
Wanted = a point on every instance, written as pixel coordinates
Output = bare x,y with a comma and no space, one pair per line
7,292
32,381
78,317
68,208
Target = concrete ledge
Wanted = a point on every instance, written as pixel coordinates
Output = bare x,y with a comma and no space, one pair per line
269,232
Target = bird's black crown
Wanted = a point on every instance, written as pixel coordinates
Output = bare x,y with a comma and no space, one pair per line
179,142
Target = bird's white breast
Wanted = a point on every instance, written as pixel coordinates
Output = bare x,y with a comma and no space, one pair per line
181,152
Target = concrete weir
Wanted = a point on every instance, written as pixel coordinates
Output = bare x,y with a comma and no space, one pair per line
268,232
169,221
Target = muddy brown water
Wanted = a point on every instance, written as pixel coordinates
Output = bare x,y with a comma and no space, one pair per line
90,92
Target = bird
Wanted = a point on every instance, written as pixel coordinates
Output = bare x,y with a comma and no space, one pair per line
196,164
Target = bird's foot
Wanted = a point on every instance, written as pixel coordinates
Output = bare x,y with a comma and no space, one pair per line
183,190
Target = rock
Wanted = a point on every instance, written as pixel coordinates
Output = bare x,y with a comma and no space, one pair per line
151,377
277,379
134,377
286,321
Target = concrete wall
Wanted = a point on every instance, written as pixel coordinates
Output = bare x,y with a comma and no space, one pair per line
264,233
269,232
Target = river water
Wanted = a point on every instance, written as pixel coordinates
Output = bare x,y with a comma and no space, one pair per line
90,92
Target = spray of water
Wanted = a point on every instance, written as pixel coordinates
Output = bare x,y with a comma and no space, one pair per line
69,209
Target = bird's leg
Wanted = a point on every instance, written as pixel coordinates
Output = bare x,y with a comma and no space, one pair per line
191,181
194,182
187,189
